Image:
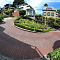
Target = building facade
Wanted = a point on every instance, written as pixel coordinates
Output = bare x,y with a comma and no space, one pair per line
29,10
50,12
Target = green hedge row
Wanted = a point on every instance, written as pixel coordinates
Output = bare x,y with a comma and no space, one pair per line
28,28
31,25
33,29
55,54
3,16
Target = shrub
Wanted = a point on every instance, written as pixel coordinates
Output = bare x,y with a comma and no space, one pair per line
31,25
38,16
11,8
17,19
55,54
10,11
27,17
5,16
51,21
1,18
22,12
58,21
0,11
6,12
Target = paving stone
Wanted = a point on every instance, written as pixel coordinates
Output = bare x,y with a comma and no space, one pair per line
18,43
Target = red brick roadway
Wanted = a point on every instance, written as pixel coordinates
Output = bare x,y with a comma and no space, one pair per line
22,44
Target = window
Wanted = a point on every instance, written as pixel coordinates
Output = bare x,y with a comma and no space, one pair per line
52,14
44,13
56,15
48,13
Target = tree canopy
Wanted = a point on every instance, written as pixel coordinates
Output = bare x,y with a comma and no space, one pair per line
17,2
45,4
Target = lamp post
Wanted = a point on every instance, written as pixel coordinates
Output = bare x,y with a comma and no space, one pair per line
45,20
34,28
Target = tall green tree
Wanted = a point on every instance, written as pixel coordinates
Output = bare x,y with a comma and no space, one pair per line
45,4
17,2
22,12
59,13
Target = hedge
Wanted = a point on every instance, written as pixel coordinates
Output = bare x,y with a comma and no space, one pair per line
3,16
32,29
55,54
31,25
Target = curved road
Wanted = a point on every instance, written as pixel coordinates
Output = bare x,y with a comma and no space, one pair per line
22,44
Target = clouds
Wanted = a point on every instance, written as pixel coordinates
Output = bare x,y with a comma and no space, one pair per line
38,4
3,2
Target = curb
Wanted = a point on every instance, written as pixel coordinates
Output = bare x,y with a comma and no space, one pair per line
24,29
34,31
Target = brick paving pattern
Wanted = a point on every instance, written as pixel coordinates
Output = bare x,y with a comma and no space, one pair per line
22,44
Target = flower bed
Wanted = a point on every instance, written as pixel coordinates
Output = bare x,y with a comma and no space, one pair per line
32,25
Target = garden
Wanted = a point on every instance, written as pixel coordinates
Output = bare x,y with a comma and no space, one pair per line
34,25
7,13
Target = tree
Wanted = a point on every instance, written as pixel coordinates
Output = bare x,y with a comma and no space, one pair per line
10,12
18,2
59,10
58,13
0,11
51,21
11,9
6,12
22,12
45,4
39,17
7,6
1,18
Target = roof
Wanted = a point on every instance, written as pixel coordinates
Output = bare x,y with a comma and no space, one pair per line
23,4
49,9
27,6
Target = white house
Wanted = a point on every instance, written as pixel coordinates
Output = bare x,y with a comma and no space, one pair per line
29,10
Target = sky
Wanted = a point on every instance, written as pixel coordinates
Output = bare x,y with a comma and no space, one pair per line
36,4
